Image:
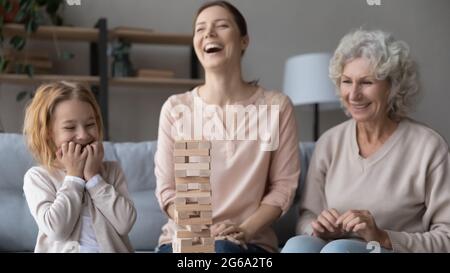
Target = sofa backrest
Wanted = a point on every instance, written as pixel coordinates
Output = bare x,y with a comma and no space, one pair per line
18,230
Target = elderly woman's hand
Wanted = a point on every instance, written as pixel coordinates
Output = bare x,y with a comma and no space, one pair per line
363,223
325,226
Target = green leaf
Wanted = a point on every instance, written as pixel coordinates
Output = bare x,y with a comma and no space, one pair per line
29,69
17,42
3,63
52,6
23,2
32,25
8,6
2,3
41,2
66,55
21,15
22,95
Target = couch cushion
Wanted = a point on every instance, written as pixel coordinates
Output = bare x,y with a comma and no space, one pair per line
18,230
150,219
286,225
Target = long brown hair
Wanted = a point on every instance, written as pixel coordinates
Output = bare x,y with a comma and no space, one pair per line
237,15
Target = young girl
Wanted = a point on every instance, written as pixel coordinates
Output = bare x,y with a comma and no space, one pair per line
79,202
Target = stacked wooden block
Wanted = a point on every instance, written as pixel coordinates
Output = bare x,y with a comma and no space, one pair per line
193,212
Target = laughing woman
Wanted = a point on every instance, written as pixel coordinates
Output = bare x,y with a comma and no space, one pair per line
251,187
381,178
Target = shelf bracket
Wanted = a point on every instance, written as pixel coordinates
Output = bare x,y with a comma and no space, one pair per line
99,67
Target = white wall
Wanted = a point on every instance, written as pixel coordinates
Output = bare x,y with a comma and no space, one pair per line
278,30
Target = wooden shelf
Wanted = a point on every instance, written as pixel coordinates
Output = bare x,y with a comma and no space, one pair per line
59,32
91,34
132,81
150,37
24,79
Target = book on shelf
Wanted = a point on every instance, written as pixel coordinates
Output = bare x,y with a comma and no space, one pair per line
31,54
132,30
38,59
155,73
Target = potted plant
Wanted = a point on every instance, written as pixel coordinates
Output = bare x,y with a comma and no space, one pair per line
30,13
121,65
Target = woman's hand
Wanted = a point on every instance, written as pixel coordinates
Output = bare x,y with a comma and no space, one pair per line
73,157
326,226
230,231
94,160
363,223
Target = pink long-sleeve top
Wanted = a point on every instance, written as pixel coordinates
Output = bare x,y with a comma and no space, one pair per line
245,172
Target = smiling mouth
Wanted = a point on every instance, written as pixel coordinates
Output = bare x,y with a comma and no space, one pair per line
212,48
360,106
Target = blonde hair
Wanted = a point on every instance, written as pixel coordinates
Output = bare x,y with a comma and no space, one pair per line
38,117
390,59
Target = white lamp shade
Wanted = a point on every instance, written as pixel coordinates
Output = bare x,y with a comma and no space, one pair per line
306,79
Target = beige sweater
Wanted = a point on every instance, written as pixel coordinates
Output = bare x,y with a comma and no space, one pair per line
243,176
405,184
56,205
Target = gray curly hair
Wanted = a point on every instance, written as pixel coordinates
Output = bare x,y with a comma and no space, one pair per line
390,59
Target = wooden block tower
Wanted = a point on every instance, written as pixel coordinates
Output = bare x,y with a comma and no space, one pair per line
193,212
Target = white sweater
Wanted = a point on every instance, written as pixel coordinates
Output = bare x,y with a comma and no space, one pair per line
56,205
405,184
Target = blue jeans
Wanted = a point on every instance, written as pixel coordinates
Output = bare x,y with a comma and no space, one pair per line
221,246
310,244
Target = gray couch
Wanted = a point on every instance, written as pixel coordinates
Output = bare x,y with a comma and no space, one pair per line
18,230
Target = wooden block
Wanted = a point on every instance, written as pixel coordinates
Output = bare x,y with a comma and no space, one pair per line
190,234
192,145
194,221
184,241
193,207
207,241
195,228
182,187
193,194
181,215
198,159
204,145
200,152
206,214
180,201
204,187
180,145
198,144
204,200
201,173
191,200
191,166
181,173
181,159
186,180
193,186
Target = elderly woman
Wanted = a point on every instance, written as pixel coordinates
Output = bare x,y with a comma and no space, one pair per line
379,181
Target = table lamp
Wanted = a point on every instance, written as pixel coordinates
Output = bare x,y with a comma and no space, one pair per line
306,81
